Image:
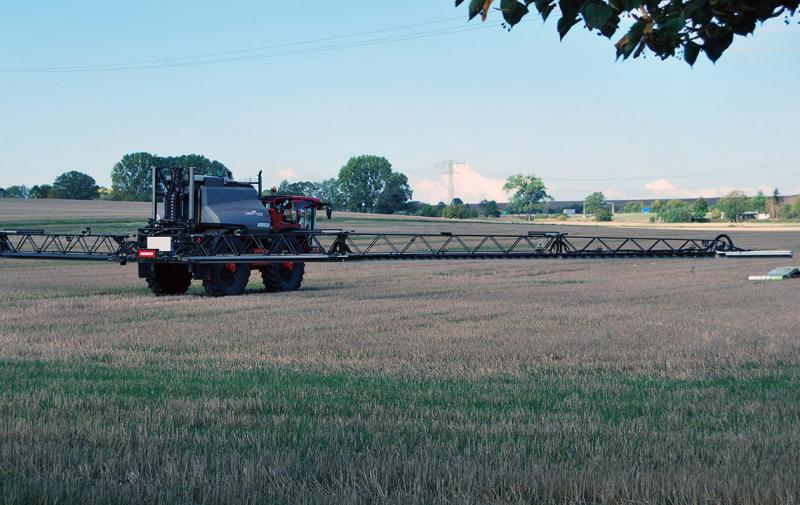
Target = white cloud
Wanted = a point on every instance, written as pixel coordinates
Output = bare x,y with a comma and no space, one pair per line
613,194
470,186
286,173
664,188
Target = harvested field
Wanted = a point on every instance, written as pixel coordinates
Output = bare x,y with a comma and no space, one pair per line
636,381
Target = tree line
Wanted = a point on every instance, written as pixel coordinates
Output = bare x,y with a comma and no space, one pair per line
368,183
731,207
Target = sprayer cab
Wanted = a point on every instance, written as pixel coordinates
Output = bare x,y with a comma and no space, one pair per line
205,202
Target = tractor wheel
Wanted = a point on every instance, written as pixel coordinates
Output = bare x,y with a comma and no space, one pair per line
169,279
227,279
284,276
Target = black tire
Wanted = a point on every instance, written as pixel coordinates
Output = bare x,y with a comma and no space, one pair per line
723,242
169,279
227,279
284,276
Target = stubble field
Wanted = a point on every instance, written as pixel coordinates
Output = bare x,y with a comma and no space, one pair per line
639,381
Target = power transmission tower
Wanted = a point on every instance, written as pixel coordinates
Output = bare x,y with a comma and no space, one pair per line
450,171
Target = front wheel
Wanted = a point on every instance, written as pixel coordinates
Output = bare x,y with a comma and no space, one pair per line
227,279
284,276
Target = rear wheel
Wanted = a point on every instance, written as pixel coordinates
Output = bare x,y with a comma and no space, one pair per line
169,279
227,279
286,275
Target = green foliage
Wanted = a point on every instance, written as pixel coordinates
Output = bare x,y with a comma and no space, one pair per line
789,211
131,177
699,209
75,186
528,193
777,199
594,202
675,204
363,180
300,188
3,193
329,192
490,208
681,214
17,192
733,204
459,211
603,214
396,193
41,191
457,201
428,210
667,29
759,202
633,207
715,213
657,206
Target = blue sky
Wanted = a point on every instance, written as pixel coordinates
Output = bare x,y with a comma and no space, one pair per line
501,102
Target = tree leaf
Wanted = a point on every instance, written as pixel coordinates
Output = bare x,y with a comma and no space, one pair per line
545,7
475,7
628,43
690,52
513,11
565,23
596,14
459,2
716,40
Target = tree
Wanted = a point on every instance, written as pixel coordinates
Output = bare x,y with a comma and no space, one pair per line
490,208
594,202
330,193
603,214
362,180
300,188
75,186
41,191
733,204
681,214
699,209
633,207
656,206
428,210
675,204
131,177
759,202
777,199
17,192
3,193
528,193
459,211
667,29
394,195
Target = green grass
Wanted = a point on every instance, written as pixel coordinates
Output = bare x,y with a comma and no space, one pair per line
606,434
